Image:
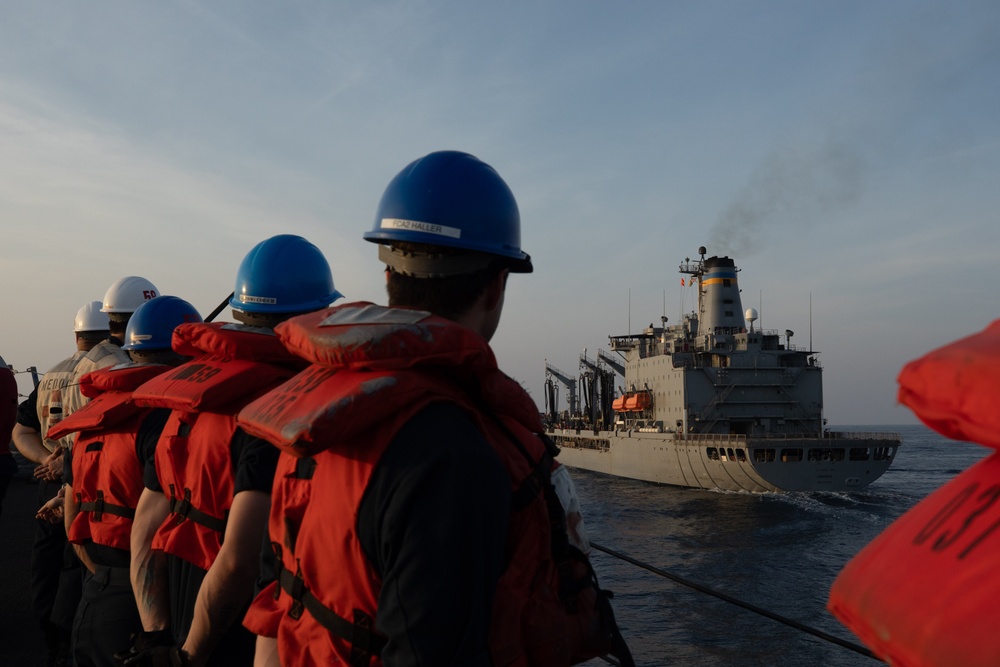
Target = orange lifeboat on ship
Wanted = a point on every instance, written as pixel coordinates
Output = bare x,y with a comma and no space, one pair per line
633,402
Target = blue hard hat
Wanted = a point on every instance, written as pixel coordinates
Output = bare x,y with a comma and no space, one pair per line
284,274
152,325
452,199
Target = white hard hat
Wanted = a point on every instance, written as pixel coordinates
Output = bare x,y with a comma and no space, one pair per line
91,318
127,294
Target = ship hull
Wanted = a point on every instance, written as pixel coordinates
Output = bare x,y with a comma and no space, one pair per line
835,462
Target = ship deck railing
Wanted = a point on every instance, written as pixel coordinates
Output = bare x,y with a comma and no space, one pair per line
862,435
736,438
827,435
580,429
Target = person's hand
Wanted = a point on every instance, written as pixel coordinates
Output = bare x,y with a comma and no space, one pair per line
152,649
50,470
52,511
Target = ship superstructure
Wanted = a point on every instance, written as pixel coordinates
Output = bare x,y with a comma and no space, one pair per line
712,402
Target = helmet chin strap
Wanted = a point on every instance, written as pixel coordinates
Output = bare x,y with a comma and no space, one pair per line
429,265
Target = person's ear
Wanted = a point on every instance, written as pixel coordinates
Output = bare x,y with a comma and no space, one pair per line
495,289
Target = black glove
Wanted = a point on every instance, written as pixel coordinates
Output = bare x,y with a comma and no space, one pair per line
151,649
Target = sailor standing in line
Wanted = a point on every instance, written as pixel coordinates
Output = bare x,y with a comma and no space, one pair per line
50,556
120,301
201,520
122,298
398,536
104,478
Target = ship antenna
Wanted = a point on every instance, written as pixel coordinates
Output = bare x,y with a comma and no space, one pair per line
760,308
629,311
810,322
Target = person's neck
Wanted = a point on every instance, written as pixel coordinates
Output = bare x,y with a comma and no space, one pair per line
478,318
470,320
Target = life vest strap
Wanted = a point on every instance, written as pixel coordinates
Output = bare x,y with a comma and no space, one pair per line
533,484
183,508
99,508
360,633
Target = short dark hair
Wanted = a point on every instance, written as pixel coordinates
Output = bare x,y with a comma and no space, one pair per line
449,296
164,356
265,320
118,324
93,336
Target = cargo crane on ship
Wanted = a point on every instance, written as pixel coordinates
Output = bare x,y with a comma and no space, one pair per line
597,390
610,360
552,375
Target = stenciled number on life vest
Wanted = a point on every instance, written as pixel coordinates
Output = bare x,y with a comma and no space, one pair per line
196,372
955,510
275,404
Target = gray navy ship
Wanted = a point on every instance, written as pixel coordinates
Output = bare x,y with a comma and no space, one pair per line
710,403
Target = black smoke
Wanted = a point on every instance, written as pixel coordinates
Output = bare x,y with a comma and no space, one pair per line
795,186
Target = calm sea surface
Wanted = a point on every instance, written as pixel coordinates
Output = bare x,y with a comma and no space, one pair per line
780,552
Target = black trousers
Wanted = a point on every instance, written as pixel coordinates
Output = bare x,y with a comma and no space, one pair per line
106,617
8,468
56,578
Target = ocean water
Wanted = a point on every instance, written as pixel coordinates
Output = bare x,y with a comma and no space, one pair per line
780,552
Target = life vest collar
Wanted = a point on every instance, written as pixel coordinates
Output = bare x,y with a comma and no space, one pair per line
953,389
232,363
368,359
120,377
363,336
111,390
229,340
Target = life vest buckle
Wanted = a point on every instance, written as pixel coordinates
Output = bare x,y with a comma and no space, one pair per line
297,587
98,506
361,641
278,567
181,507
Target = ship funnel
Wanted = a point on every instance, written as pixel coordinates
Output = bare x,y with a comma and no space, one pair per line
719,298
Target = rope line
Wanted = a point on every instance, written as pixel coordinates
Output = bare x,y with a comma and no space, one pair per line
739,603
35,375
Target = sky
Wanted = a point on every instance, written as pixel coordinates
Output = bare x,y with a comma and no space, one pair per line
846,155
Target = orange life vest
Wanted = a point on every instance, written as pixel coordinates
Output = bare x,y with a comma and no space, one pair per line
954,389
107,475
233,364
924,592
373,369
